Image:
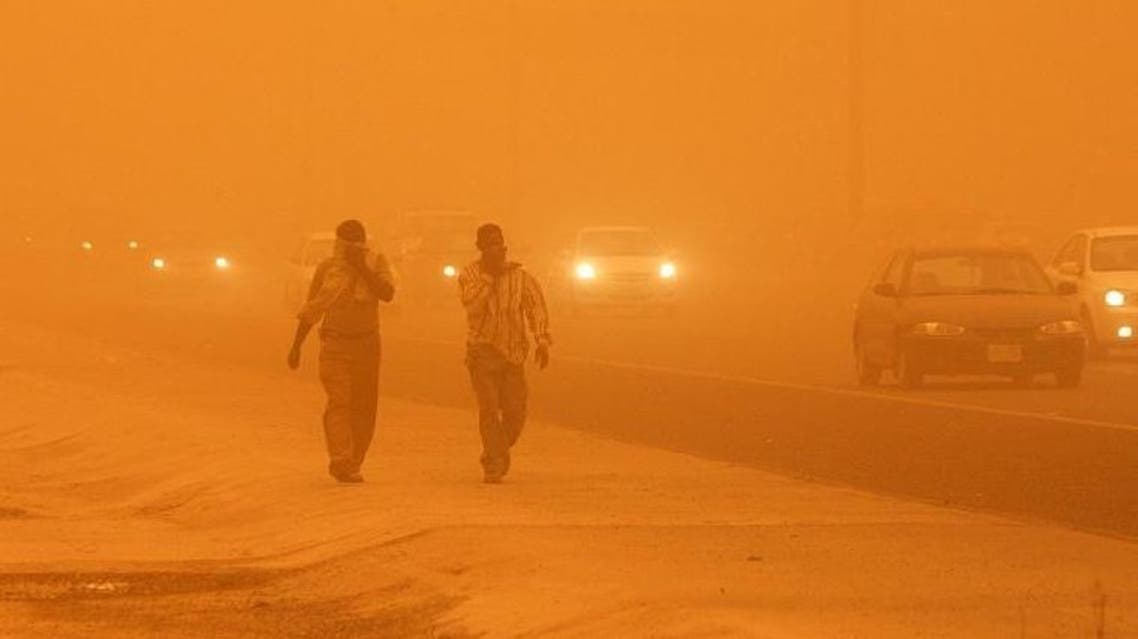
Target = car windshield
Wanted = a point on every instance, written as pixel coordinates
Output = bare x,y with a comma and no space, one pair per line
977,274
1115,253
632,242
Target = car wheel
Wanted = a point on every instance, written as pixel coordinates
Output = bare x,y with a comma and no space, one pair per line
1095,350
909,376
867,373
1069,377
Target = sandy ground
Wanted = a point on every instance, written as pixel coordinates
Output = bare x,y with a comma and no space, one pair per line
141,496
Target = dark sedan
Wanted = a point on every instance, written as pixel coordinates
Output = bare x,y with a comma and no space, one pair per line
967,312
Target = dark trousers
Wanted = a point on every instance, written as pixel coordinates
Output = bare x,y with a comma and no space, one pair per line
500,387
349,371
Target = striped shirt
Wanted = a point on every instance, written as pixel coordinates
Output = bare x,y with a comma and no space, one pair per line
498,310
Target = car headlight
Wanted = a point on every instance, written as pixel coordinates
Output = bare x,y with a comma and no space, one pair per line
1114,298
158,264
132,245
449,271
1065,327
668,271
937,329
586,271
222,263
87,246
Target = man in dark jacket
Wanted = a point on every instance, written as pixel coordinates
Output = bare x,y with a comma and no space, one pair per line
345,294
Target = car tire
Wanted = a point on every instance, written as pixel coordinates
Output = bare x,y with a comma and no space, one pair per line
1069,377
909,376
867,373
1095,350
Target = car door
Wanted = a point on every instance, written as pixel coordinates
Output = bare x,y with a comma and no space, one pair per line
877,312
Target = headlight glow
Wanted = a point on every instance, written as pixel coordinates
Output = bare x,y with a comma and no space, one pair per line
585,271
937,329
668,271
87,246
1065,327
449,271
132,245
1125,332
222,263
1114,298
158,263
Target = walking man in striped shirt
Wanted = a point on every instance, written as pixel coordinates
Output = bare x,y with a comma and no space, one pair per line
501,301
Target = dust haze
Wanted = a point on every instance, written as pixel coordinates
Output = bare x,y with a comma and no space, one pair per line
718,446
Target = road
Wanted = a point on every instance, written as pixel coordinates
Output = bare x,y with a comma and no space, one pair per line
795,340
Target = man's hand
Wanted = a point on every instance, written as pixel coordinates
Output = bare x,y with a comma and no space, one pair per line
357,259
294,357
541,357
493,268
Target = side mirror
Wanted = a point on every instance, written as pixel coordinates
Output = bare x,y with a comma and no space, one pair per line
1070,269
1067,288
885,289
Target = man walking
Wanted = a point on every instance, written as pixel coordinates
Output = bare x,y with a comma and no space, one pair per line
345,294
501,298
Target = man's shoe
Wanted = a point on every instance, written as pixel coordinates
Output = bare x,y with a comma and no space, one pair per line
349,478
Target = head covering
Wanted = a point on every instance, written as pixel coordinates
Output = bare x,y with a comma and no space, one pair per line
351,231
489,235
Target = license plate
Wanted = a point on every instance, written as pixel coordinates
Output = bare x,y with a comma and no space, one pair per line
1005,353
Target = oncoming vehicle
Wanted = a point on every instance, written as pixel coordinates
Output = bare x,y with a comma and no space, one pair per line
619,265
1104,264
302,264
432,247
968,311
192,264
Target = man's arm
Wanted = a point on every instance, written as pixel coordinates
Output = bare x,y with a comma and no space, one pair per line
379,279
537,315
323,290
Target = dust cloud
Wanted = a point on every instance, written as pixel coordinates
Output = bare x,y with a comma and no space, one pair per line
162,165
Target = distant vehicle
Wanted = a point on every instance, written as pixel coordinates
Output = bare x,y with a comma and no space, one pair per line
191,264
1104,264
967,311
430,249
311,251
618,266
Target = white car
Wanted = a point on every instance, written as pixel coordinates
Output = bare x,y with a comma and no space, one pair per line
311,251
1103,262
617,266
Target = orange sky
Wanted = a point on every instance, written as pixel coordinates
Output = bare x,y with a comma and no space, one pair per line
729,117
